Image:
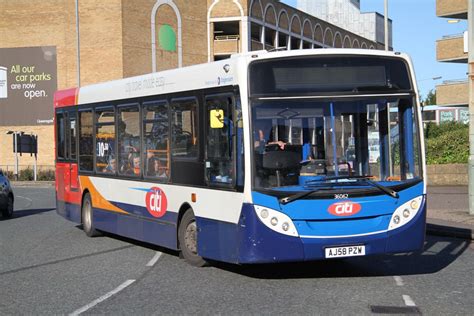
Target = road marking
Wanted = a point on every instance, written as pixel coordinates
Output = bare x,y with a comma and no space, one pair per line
398,280
408,301
102,298
153,260
30,201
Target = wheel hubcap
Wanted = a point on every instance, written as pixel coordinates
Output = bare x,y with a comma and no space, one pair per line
87,214
190,237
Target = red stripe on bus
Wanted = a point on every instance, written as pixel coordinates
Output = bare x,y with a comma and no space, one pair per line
66,97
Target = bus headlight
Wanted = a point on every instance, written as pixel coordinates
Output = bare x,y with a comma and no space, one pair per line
405,213
276,220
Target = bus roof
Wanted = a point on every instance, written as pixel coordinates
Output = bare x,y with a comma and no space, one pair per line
207,75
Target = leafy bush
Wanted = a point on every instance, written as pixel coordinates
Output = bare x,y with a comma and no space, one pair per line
447,143
433,130
46,175
26,175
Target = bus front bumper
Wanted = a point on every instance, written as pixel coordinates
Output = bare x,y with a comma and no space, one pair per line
259,244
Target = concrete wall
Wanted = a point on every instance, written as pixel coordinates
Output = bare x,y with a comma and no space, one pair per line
449,8
45,147
450,174
450,49
452,94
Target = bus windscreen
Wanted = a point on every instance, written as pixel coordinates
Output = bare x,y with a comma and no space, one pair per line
325,75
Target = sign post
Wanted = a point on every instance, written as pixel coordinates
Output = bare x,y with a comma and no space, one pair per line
35,139
15,144
24,143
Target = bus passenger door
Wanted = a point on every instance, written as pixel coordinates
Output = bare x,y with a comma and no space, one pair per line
67,183
62,166
72,143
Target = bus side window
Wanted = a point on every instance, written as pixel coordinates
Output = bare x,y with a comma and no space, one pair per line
185,128
72,127
129,140
219,146
105,139
61,136
156,140
86,146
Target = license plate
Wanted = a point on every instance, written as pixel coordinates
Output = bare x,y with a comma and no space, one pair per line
347,251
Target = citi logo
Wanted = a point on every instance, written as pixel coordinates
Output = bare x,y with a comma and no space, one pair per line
156,202
346,208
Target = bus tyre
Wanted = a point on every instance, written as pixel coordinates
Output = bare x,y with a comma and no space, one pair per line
187,238
7,212
87,218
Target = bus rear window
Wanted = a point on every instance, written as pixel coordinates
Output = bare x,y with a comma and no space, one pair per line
319,75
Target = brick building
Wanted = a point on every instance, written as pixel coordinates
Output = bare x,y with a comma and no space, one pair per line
452,49
123,38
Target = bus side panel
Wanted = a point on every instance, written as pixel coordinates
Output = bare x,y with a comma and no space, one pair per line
259,244
249,241
60,189
68,197
217,240
409,237
149,231
70,212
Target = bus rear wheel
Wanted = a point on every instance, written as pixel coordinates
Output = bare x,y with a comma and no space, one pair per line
87,217
187,238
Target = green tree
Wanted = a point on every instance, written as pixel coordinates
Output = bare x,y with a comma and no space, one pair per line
430,98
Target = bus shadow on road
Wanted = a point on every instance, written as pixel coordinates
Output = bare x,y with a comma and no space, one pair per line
438,253
28,212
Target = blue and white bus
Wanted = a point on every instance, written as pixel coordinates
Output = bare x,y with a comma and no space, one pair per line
263,157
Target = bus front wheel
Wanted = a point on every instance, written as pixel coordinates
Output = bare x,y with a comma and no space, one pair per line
187,238
87,218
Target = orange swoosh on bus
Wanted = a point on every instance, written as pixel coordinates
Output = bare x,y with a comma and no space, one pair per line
98,200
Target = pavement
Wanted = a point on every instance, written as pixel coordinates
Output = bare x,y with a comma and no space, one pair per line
448,212
447,215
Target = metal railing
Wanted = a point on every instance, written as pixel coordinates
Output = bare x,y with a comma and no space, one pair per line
26,172
227,37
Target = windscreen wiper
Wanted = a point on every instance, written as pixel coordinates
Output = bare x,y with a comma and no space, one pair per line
296,196
365,179
300,195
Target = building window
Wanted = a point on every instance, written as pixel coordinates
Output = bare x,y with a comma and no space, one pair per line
226,30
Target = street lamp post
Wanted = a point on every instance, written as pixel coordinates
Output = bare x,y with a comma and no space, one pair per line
470,15
386,24
78,43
